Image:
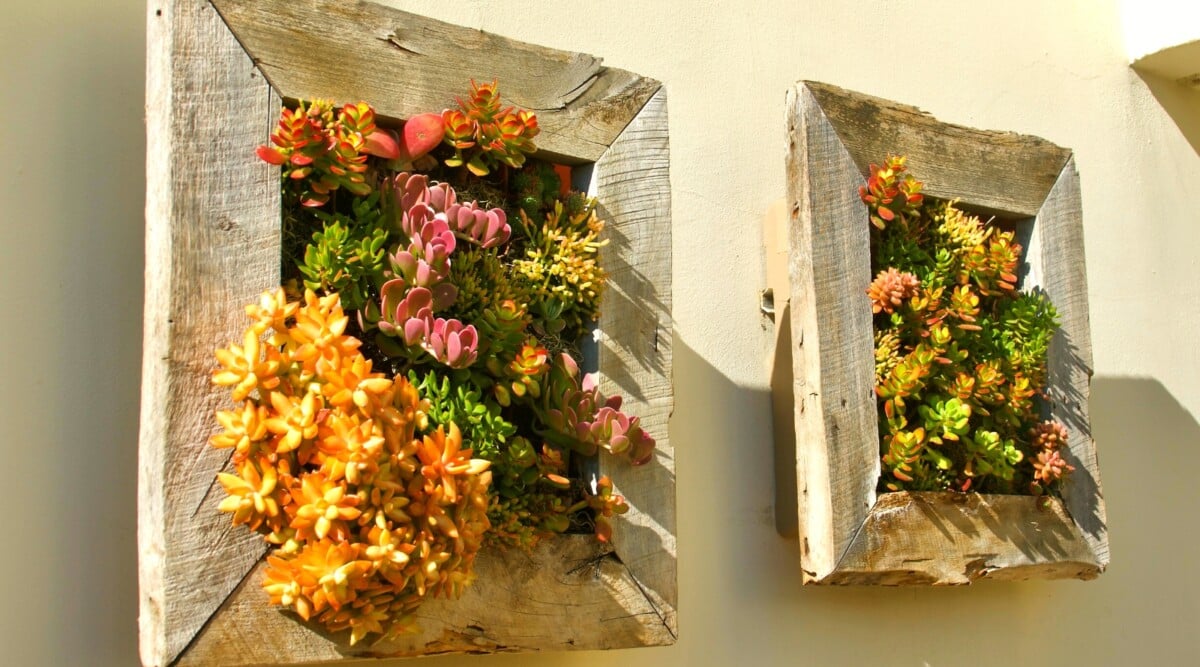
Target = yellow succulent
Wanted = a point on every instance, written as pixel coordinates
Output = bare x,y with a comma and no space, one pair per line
369,516
244,367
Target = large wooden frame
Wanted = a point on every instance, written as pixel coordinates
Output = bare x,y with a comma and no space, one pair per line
850,534
216,75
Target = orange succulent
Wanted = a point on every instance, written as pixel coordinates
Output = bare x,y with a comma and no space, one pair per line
370,515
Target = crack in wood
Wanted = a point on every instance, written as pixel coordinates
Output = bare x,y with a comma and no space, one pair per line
394,40
653,607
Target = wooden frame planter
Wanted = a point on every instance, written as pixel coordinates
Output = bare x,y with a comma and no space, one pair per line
216,75
849,533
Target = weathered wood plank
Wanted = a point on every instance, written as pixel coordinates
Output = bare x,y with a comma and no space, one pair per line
916,537
1000,172
1056,258
633,187
565,595
837,457
956,538
212,244
406,64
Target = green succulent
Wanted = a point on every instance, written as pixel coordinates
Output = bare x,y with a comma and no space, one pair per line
560,267
483,281
349,254
483,428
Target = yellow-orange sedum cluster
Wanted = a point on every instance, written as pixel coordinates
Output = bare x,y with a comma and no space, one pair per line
369,513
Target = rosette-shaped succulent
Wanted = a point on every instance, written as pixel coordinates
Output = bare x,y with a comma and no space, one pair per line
486,228
418,201
490,134
1049,440
426,263
406,313
368,514
1049,435
890,194
327,148
890,289
452,342
581,419
1050,467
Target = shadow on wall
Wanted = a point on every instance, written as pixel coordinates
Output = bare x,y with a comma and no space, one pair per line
1141,610
1180,102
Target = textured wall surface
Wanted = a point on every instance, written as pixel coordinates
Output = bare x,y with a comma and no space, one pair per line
70,256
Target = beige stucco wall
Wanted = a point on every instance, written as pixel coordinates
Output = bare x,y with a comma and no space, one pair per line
71,79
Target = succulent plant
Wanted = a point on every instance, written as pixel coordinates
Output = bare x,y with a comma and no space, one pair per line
488,133
346,257
560,266
452,342
368,515
375,490
325,148
890,288
484,281
890,194
606,504
579,418
960,354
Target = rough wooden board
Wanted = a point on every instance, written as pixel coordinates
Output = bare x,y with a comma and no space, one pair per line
406,64
1000,172
212,244
956,538
567,594
1056,259
837,460
634,190
835,549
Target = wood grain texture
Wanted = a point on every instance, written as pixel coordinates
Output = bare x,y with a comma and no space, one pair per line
406,64
568,594
848,535
212,245
998,172
633,186
956,538
837,459
1056,261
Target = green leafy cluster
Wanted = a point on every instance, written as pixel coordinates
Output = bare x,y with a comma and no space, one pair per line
484,280
348,255
560,265
960,353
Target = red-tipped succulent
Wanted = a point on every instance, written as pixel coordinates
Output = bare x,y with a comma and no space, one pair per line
326,149
889,196
491,134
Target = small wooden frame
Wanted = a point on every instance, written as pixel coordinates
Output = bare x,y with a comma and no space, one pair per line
216,75
849,533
